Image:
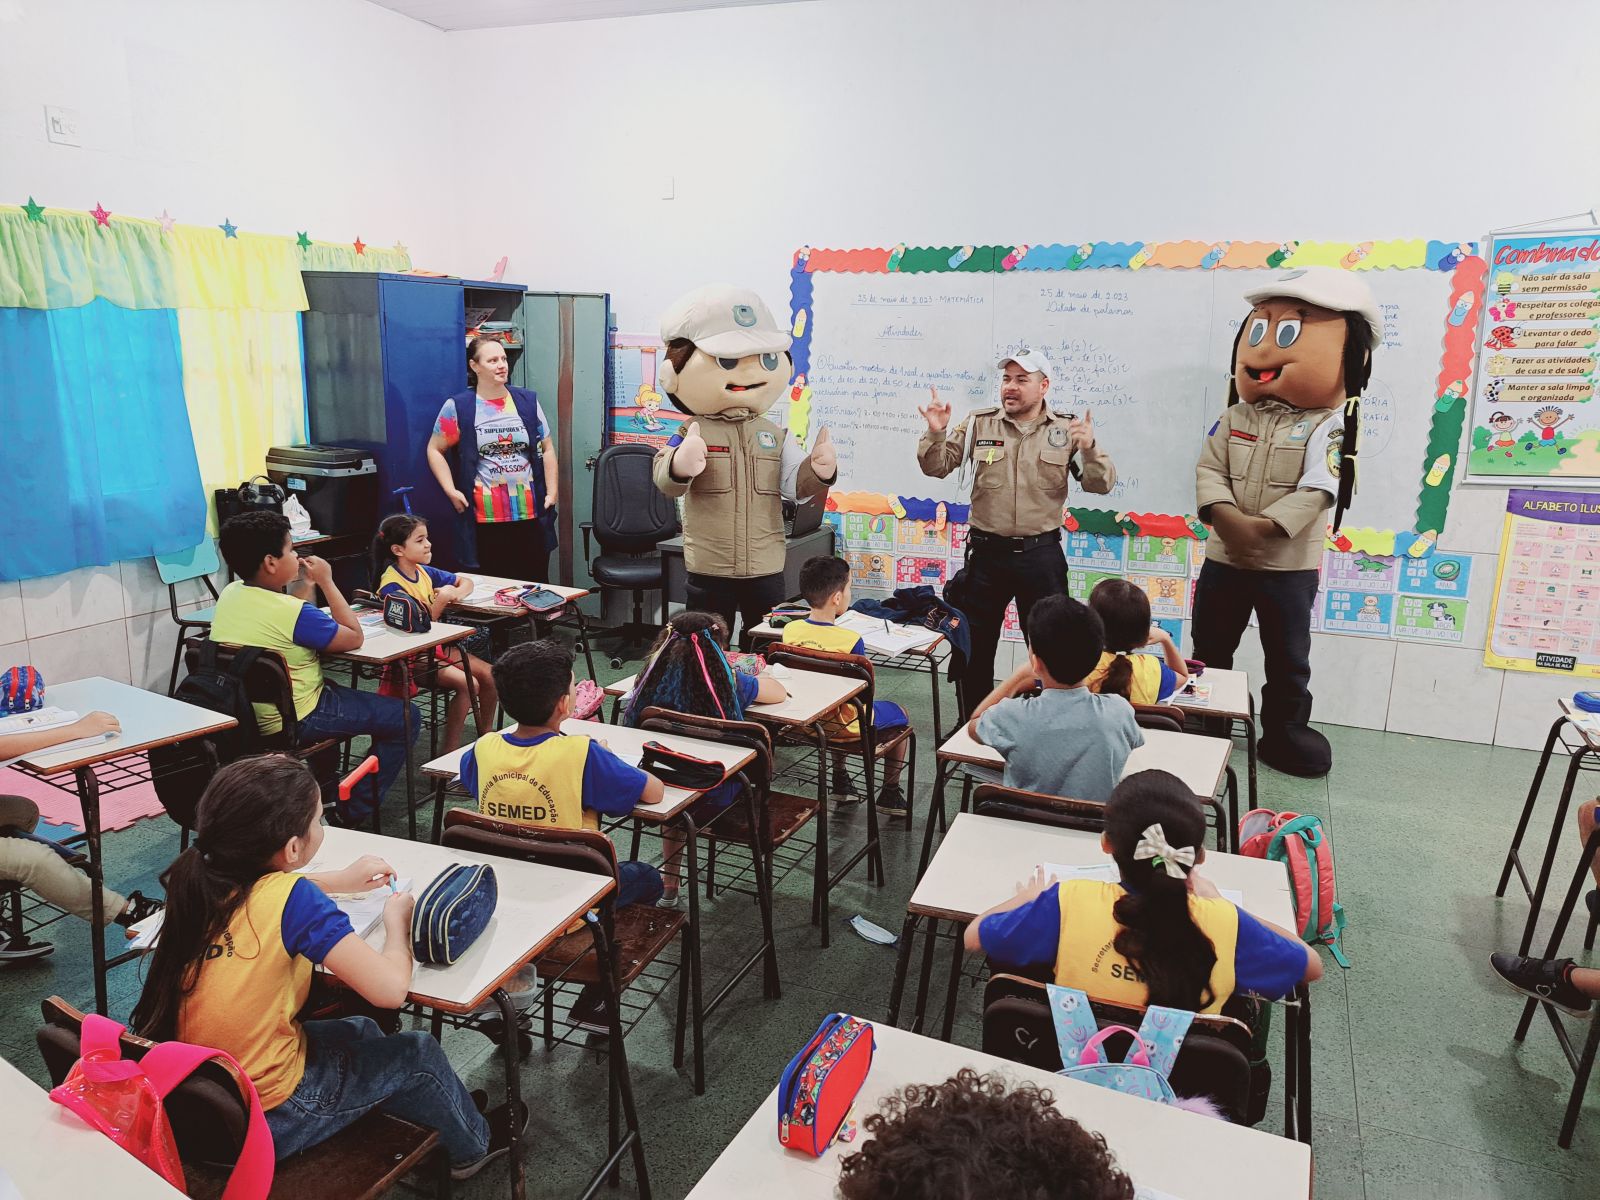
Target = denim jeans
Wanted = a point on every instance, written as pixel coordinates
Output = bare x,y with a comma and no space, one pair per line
637,883
343,710
352,1068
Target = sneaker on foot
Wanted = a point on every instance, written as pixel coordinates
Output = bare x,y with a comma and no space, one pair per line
21,949
591,1012
672,900
500,1121
1543,979
892,801
844,788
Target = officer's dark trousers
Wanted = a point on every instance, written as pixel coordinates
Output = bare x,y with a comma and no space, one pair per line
1223,601
753,598
994,577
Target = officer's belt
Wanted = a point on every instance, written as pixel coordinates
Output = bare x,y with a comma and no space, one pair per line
1012,545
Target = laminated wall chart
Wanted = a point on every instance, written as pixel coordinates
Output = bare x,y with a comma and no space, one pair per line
1547,599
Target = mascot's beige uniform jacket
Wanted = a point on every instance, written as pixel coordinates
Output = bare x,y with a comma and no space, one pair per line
1273,460
733,514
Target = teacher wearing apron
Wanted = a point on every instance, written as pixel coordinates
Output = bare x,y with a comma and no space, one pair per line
503,475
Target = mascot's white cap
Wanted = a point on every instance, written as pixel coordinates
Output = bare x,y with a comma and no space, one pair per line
725,322
1326,287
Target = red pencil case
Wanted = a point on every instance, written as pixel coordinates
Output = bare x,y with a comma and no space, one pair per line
821,1083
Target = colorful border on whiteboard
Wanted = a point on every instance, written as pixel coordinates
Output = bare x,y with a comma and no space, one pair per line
1452,386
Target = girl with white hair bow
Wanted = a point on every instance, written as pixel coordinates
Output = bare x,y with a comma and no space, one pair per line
1162,934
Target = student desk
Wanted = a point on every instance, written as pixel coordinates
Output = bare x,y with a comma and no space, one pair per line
537,904
47,1151
556,616
921,658
1200,762
382,647
1232,701
982,859
674,809
1578,733
1179,1153
148,720
813,696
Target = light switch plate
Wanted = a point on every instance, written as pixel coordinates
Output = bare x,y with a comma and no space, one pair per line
61,125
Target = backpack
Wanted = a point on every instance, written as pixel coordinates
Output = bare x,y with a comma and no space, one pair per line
1303,844
405,613
123,1099
1143,1070
181,772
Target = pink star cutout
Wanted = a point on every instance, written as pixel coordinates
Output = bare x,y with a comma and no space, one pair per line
167,221
100,215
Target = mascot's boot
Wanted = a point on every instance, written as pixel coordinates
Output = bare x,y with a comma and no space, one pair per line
1295,750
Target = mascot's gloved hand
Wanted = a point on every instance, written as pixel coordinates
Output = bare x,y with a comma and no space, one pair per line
689,459
824,458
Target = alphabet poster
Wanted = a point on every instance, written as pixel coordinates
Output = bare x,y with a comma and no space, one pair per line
1547,598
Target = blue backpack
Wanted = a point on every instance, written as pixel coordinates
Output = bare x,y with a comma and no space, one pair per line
1143,1070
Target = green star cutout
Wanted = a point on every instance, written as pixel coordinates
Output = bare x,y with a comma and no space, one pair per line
303,241
35,211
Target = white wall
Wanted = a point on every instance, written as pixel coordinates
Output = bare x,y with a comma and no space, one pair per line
870,122
333,116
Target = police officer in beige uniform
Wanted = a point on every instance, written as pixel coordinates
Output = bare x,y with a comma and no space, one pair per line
1022,454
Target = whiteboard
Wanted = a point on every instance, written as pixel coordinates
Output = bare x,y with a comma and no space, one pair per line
1146,352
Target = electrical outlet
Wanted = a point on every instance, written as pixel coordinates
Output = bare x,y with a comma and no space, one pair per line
669,189
61,125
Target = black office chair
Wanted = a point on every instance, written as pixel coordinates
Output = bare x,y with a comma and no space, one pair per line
631,517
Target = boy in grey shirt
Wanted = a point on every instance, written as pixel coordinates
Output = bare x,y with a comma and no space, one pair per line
1067,740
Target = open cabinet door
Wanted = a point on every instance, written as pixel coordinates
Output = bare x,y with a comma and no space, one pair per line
566,365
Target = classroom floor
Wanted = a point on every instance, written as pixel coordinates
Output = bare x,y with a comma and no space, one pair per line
1418,1089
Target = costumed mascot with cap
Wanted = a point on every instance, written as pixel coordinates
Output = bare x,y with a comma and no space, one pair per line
727,362
1271,467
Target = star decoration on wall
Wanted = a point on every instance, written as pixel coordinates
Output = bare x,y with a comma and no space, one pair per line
361,247
303,240
100,215
34,210
167,221
400,248
229,229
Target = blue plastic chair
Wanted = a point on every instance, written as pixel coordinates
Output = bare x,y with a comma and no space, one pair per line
196,563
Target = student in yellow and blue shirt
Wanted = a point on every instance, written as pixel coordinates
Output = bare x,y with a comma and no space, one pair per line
256,610
1163,934
825,584
401,554
1124,669
537,775
233,966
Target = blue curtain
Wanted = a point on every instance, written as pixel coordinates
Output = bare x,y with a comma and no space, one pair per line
97,462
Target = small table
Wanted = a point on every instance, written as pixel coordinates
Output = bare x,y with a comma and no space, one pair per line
1231,700
493,611
977,866
1159,1146
383,646
148,720
1200,762
537,905
813,696
47,1151
675,807
925,658
1579,735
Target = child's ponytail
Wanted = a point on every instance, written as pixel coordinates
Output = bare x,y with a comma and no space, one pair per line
396,530
249,811
1154,824
1124,610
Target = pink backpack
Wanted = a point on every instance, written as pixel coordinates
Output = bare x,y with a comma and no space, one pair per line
123,1100
1303,844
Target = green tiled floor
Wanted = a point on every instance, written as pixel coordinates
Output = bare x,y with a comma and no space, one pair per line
1419,1090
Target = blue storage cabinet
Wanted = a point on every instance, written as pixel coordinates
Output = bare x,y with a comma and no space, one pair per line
382,352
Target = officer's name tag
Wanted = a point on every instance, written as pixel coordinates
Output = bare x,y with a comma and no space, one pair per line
717,449
989,443
1239,435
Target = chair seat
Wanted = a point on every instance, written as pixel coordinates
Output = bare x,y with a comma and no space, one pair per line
626,571
787,814
200,618
366,1159
641,932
